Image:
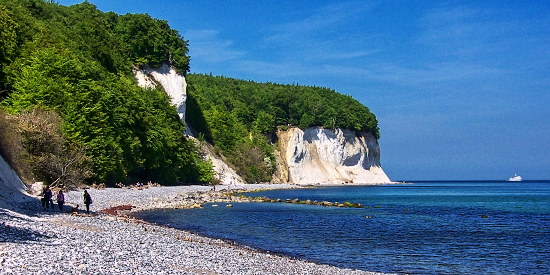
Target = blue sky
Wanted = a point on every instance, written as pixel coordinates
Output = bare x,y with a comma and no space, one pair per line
461,89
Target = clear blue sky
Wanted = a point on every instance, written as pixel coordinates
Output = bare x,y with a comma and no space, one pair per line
461,89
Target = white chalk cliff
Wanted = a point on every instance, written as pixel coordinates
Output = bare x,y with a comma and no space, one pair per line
173,83
12,189
175,86
309,156
317,155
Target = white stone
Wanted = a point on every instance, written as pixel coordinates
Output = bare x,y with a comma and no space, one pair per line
36,188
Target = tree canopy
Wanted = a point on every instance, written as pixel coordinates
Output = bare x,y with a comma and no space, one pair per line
260,107
76,61
71,68
239,117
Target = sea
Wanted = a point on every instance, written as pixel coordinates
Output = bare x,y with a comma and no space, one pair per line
423,227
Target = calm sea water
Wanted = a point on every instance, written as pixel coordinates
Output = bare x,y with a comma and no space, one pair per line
422,227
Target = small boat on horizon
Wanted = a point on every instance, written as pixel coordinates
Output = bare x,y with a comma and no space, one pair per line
515,178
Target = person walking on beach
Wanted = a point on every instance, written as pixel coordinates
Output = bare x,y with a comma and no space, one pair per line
46,198
60,200
87,200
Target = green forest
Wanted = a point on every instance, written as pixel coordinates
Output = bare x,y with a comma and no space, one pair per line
240,117
71,111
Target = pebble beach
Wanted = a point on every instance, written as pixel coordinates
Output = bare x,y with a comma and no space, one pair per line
36,242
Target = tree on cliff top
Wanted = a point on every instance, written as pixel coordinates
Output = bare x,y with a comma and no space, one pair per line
239,117
261,107
152,42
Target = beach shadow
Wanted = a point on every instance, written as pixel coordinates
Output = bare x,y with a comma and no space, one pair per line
14,234
32,206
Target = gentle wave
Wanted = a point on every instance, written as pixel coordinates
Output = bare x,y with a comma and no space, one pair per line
424,227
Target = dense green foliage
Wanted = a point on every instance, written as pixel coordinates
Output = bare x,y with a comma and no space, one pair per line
76,61
71,68
237,116
260,107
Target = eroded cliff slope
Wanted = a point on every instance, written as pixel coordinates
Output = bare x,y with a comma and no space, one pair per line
13,190
175,86
173,83
310,156
317,155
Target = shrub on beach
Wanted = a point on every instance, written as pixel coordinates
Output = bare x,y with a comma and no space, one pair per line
34,145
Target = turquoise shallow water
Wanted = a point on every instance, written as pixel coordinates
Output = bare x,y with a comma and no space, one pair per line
422,227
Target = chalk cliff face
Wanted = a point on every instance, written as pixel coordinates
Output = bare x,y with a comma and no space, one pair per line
13,190
317,155
175,86
311,156
173,83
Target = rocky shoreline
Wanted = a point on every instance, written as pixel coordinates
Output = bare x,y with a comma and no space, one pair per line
36,242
